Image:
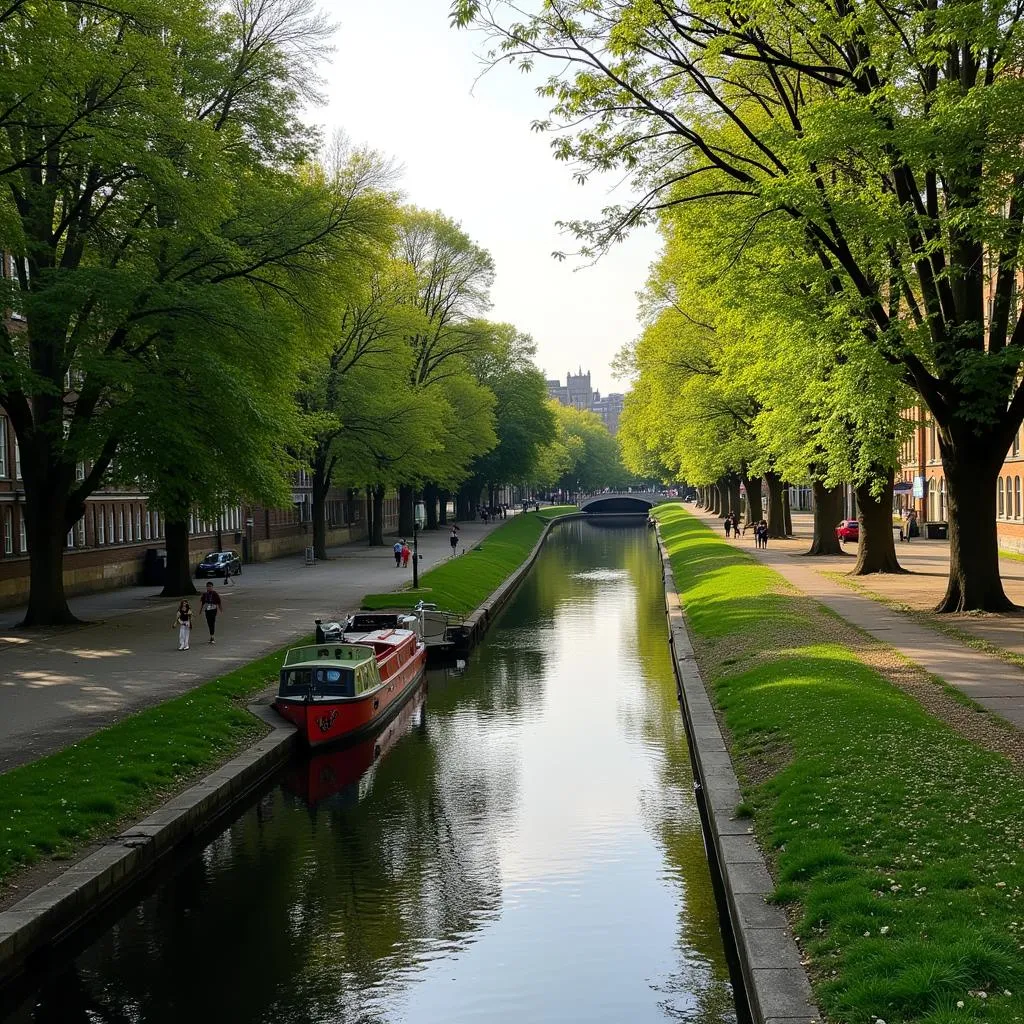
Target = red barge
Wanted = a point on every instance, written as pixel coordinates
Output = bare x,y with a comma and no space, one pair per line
333,691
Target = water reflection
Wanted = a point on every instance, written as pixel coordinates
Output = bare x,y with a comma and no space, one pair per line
528,850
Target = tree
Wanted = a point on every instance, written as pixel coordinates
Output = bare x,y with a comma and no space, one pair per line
139,144
881,137
524,420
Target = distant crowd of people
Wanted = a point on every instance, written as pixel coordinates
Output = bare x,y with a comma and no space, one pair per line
734,527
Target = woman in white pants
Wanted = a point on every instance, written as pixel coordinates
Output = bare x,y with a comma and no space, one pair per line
183,620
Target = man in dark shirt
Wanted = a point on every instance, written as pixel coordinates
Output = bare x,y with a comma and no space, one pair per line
211,607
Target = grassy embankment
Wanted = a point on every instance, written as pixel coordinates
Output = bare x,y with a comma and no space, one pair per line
54,806
897,844
463,583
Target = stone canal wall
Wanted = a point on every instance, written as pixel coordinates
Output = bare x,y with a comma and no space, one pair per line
777,986
54,910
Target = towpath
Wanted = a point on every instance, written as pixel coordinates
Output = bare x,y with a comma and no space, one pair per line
990,681
59,685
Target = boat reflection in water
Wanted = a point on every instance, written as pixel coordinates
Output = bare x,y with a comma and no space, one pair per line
346,773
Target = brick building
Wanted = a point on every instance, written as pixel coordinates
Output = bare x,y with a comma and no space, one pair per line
578,393
107,547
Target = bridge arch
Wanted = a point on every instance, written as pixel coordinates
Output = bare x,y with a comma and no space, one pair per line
621,504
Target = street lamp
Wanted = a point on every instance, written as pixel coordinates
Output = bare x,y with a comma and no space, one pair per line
418,522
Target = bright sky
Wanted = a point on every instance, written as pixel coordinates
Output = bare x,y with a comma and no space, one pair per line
401,82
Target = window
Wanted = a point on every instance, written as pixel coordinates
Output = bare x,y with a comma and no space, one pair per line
1016,497
138,522
17,460
22,535
79,471
3,446
149,524
120,524
80,532
69,541
942,499
191,523
101,534
1001,511
1016,444
8,532
110,521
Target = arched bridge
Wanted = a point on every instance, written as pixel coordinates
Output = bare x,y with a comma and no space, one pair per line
619,503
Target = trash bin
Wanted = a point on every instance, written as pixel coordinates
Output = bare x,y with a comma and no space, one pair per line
937,531
154,567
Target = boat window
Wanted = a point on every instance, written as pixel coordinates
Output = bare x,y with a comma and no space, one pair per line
337,682
296,680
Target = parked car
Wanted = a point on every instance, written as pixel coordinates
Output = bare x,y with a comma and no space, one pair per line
214,563
848,529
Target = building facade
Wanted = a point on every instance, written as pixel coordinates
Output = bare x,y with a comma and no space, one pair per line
578,393
107,548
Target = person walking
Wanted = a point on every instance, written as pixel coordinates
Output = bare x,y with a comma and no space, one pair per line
728,527
227,574
405,555
183,620
397,549
211,608
453,539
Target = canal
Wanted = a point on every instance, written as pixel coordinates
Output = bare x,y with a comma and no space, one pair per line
521,844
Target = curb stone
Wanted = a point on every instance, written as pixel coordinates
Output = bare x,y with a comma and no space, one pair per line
55,909
777,987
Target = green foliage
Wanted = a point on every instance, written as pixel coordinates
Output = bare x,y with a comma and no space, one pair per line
463,583
897,837
582,454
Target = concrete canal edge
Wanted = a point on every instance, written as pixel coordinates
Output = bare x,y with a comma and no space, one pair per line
777,986
57,908
479,621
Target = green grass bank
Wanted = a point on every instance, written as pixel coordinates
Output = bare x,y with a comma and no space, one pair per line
54,806
897,845
463,583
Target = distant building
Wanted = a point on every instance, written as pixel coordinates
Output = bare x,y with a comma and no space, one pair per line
578,393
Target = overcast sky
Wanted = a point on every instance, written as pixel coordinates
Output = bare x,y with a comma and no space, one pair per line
402,82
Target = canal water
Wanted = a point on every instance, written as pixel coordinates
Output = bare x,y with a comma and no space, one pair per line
521,844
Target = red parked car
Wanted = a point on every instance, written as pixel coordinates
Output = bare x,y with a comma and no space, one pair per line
848,529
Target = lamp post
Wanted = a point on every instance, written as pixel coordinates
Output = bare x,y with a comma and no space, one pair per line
418,522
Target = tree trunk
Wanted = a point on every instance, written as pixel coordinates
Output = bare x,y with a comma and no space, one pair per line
732,483
828,510
876,551
377,536
971,465
465,504
430,503
442,512
755,505
406,509
178,577
722,499
321,485
776,506
787,512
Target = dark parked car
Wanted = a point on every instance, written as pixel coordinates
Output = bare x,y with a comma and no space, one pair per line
848,529
214,563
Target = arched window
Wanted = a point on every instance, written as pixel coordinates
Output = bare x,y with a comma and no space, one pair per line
1016,497
942,499
933,511
1000,507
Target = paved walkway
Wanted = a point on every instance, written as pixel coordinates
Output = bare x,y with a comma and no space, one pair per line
57,686
991,682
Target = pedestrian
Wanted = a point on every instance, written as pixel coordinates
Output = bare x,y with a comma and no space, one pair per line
728,527
211,608
227,573
405,555
397,549
908,522
453,539
183,620
762,534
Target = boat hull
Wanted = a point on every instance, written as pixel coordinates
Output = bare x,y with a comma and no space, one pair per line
322,721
